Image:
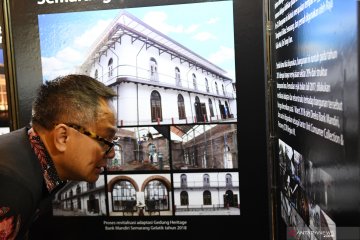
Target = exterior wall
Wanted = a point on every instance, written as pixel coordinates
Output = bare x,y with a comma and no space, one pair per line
131,61
125,59
213,142
67,204
127,105
195,188
145,105
128,146
127,56
177,154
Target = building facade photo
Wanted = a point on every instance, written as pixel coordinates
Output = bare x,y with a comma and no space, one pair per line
208,193
141,148
158,81
81,199
204,146
140,195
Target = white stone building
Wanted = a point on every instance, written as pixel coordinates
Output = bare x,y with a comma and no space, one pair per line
216,193
139,194
81,199
158,80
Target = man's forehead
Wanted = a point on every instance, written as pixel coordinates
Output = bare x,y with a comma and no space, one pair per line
106,122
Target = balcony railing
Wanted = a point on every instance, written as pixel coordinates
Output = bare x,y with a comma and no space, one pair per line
137,74
201,184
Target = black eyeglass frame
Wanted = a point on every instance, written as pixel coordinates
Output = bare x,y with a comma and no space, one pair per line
92,135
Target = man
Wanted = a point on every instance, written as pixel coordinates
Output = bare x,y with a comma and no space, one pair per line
73,125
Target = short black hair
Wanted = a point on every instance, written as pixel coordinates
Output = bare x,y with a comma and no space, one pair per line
72,98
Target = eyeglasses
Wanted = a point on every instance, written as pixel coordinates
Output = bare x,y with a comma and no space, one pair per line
105,144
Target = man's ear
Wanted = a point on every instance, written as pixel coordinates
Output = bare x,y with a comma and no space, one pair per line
61,137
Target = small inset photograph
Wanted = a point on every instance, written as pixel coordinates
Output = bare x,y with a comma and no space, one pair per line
285,209
321,225
292,171
315,212
209,193
141,148
303,206
285,162
208,146
328,227
81,199
139,195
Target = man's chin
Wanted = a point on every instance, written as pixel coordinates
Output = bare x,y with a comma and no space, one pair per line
93,178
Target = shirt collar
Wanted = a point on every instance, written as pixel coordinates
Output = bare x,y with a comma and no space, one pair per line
52,179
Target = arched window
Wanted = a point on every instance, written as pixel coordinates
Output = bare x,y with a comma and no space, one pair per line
200,110
228,180
117,161
207,85
222,110
206,180
194,81
78,189
207,197
216,88
197,99
184,198
181,107
156,196
155,100
110,67
177,77
153,70
211,108
123,195
183,179
228,163
79,203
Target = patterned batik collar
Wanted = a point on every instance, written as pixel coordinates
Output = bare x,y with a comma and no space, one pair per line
51,177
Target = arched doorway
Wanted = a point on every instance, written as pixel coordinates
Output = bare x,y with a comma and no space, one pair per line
200,110
156,111
230,200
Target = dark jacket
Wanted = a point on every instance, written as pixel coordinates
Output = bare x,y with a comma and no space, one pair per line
21,182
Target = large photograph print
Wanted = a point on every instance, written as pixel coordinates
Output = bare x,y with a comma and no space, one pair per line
173,68
169,64
189,78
